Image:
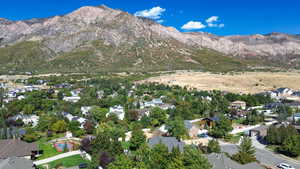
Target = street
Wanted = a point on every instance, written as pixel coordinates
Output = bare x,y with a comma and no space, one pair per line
265,157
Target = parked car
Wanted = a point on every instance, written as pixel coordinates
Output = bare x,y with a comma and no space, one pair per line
83,165
285,166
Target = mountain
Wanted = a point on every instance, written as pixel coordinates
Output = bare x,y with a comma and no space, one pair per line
93,39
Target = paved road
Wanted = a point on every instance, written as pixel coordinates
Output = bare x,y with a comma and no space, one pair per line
264,156
60,156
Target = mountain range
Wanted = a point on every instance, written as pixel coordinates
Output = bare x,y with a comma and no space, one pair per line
97,39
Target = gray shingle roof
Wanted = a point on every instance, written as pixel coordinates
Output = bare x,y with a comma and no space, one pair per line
16,163
188,125
221,161
16,148
170,142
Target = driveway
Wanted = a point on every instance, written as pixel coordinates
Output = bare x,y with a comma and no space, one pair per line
264,156
60,156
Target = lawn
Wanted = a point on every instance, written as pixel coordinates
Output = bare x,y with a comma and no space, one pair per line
233,138
66,162
49,151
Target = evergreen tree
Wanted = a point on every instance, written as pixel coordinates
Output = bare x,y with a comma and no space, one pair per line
193,158
213,146
246,152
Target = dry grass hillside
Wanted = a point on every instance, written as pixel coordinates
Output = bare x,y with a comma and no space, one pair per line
249,82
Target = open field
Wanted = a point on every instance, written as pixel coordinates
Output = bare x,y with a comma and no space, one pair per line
248,82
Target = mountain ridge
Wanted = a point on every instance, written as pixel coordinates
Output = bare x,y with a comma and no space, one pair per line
140,39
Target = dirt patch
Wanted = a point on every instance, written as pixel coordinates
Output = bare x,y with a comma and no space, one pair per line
249,82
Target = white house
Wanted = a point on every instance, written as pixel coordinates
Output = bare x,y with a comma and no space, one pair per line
85,110
70,117
11,94
72,99
117,110
21,97
28,119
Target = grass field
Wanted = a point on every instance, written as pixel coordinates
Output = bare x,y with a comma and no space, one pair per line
248,82
66,162
49,150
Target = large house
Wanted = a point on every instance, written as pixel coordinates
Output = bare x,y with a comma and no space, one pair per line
238,105
170,142
118,111
27,119
72,99
85,110
17,148
70,117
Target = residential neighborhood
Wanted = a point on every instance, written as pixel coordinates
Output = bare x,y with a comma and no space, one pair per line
79,125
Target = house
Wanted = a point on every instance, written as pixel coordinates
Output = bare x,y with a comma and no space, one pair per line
238,105
70,117
72,99
284,92
222,161
27,119
100,94
16,163
208,122
297,93
17,148
166,106
153,103
295,104
76,92
81,121
170,142
21,97
192,129
259,132
143,112
118,111
295,117
11,94
85,110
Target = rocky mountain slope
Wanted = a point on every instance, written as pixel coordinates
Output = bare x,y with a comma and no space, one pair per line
104,39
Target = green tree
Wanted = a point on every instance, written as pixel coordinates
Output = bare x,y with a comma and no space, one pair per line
159,157
193,158
213,146
291,146
176,128
157,117
246,152
28,109
30,136
59,127
137,139
125,162
98,114
221,128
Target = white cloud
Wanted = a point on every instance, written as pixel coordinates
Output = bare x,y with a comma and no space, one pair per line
211,22
212,19
153,13
193,25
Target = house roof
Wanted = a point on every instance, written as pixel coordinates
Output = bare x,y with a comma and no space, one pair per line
221,161
16,163
16,148
238,102
170,142
188,125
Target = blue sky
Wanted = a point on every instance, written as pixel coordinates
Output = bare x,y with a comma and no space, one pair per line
222,17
